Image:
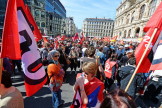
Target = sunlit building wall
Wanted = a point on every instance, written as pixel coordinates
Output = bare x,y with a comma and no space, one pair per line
98,27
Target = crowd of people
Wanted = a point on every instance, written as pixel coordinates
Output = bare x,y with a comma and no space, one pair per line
105,69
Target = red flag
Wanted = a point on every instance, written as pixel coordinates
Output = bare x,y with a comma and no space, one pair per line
75,37
114,38
45,39
106,39
18,34
154,22
10,40
63,37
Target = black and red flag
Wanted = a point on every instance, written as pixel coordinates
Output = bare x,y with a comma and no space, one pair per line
154,25
18,42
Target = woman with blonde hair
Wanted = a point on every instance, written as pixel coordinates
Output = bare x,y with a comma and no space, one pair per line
90,88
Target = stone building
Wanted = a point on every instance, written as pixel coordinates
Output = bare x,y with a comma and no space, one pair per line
97,27
37,8
55,15
70,27
132,16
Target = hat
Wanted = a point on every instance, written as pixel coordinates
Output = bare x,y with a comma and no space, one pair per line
129,51
126,45
120,46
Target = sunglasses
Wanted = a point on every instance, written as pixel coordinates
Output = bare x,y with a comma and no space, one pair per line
56,56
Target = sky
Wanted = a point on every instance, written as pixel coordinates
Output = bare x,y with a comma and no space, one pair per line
81,9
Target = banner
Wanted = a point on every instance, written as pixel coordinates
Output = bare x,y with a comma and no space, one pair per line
18,27
154,22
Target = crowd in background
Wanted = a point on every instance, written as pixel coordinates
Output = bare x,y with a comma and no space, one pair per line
109,65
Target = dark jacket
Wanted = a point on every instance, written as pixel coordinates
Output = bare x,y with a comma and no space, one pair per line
125,73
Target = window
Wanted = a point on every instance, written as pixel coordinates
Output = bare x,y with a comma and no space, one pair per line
142,10
132,17
42,24
127,21
137,32
125,33
129,33
37,13
43,14
38,23
152,7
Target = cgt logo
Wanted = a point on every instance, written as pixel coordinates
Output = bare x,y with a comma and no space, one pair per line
146,40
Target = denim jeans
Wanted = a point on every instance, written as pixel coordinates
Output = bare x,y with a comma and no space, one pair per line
56,98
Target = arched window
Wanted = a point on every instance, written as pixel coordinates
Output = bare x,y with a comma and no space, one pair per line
37,13
121,21
142,10
127,21
132,17
42,24
152,7
137,32
43,14
129,33
125,33
38,23
120,33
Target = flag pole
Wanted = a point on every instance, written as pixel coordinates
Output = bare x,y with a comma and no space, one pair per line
143,55
1,65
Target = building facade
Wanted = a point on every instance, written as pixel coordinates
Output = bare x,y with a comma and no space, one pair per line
98,27
70,27
37,8
55,15
132,16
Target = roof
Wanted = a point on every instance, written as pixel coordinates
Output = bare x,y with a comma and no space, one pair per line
98,19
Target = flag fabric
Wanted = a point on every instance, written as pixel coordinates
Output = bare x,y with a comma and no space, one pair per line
106,39
157,59
77,101
63,37
155,22
20,30
36,31
45,40
10,41
113,39
75,37
108,68
81,39
94,91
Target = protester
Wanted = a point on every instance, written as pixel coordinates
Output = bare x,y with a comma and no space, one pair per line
90,52
125,73
124,59
110,71
44,53
154,88
55,74
101,56
118,99
73,55
10,97
90,87
62,60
